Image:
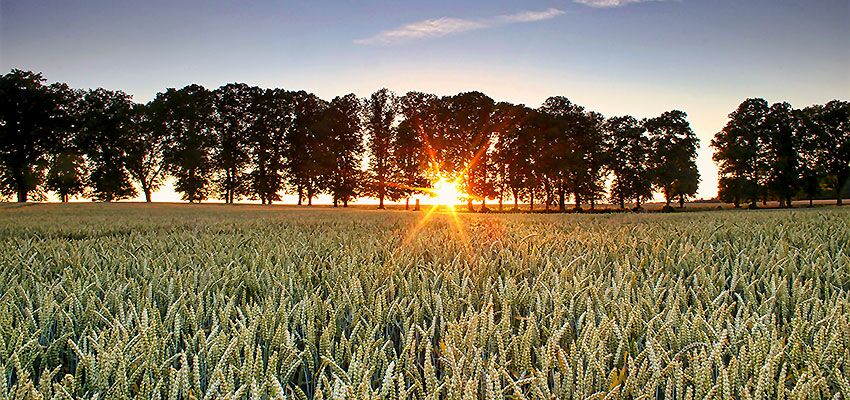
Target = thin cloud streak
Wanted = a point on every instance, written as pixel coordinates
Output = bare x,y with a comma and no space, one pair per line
433,28
610,3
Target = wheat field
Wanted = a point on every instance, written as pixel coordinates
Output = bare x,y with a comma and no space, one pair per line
173,302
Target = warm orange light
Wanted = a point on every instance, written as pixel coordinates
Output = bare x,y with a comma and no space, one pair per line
446,192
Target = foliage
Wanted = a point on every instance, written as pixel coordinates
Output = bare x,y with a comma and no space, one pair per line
105,134
674,151
29,112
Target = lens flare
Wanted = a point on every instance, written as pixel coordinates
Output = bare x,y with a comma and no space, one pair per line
446,192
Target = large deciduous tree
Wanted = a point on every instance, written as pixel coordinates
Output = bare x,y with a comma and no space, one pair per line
341,132
629,161
783,149
146,151
832,129
516,152
381,109
28,131
739,153
568,145
233,120
275,115
105,134
470,132
66,175
674,153
304,152
186,117
411,149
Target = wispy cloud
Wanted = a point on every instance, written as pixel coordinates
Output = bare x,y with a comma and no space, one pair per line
610,3
431,28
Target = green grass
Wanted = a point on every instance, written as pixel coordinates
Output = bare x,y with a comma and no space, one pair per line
181,302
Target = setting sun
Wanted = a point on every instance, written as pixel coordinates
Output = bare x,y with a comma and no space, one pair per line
446,192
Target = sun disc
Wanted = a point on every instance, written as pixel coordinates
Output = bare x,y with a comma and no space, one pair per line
445,192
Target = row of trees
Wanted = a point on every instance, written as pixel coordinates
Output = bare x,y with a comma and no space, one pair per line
239,141
775,152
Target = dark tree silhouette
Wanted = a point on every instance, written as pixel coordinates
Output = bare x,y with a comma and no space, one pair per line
591,142
28,131
303,147
66,175
410,147
381,109
105,133
232,124
810,152
410,161
469,132
738,152
782,150
832,129
507,120
567,168
516,151
674,152
146,151
186,116
341,132
275,115
629,162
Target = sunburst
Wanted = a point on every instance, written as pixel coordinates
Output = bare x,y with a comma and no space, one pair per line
446,192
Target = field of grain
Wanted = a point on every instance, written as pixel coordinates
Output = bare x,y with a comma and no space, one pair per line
201,302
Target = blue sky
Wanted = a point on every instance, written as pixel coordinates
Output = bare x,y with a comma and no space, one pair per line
613,56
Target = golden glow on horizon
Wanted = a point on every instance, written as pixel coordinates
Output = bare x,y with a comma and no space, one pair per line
445,192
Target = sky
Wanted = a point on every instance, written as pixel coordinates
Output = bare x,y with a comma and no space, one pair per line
617,57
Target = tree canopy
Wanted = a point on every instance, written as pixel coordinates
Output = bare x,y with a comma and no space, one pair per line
240,141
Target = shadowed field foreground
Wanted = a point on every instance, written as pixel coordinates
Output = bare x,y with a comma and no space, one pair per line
191,302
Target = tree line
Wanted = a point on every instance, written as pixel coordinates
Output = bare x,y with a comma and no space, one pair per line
775,152
243,142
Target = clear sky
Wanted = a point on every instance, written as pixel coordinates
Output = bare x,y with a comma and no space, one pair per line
613,56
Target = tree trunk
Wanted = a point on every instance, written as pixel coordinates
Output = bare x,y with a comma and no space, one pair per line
22,191
469,206
147,191
578,201
300,194
309,199
781,202
531,203
64,197
681,201
811,201
622,202
501,207
416,206
345,202
562,206
407,203
842,178
484,204
382,190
